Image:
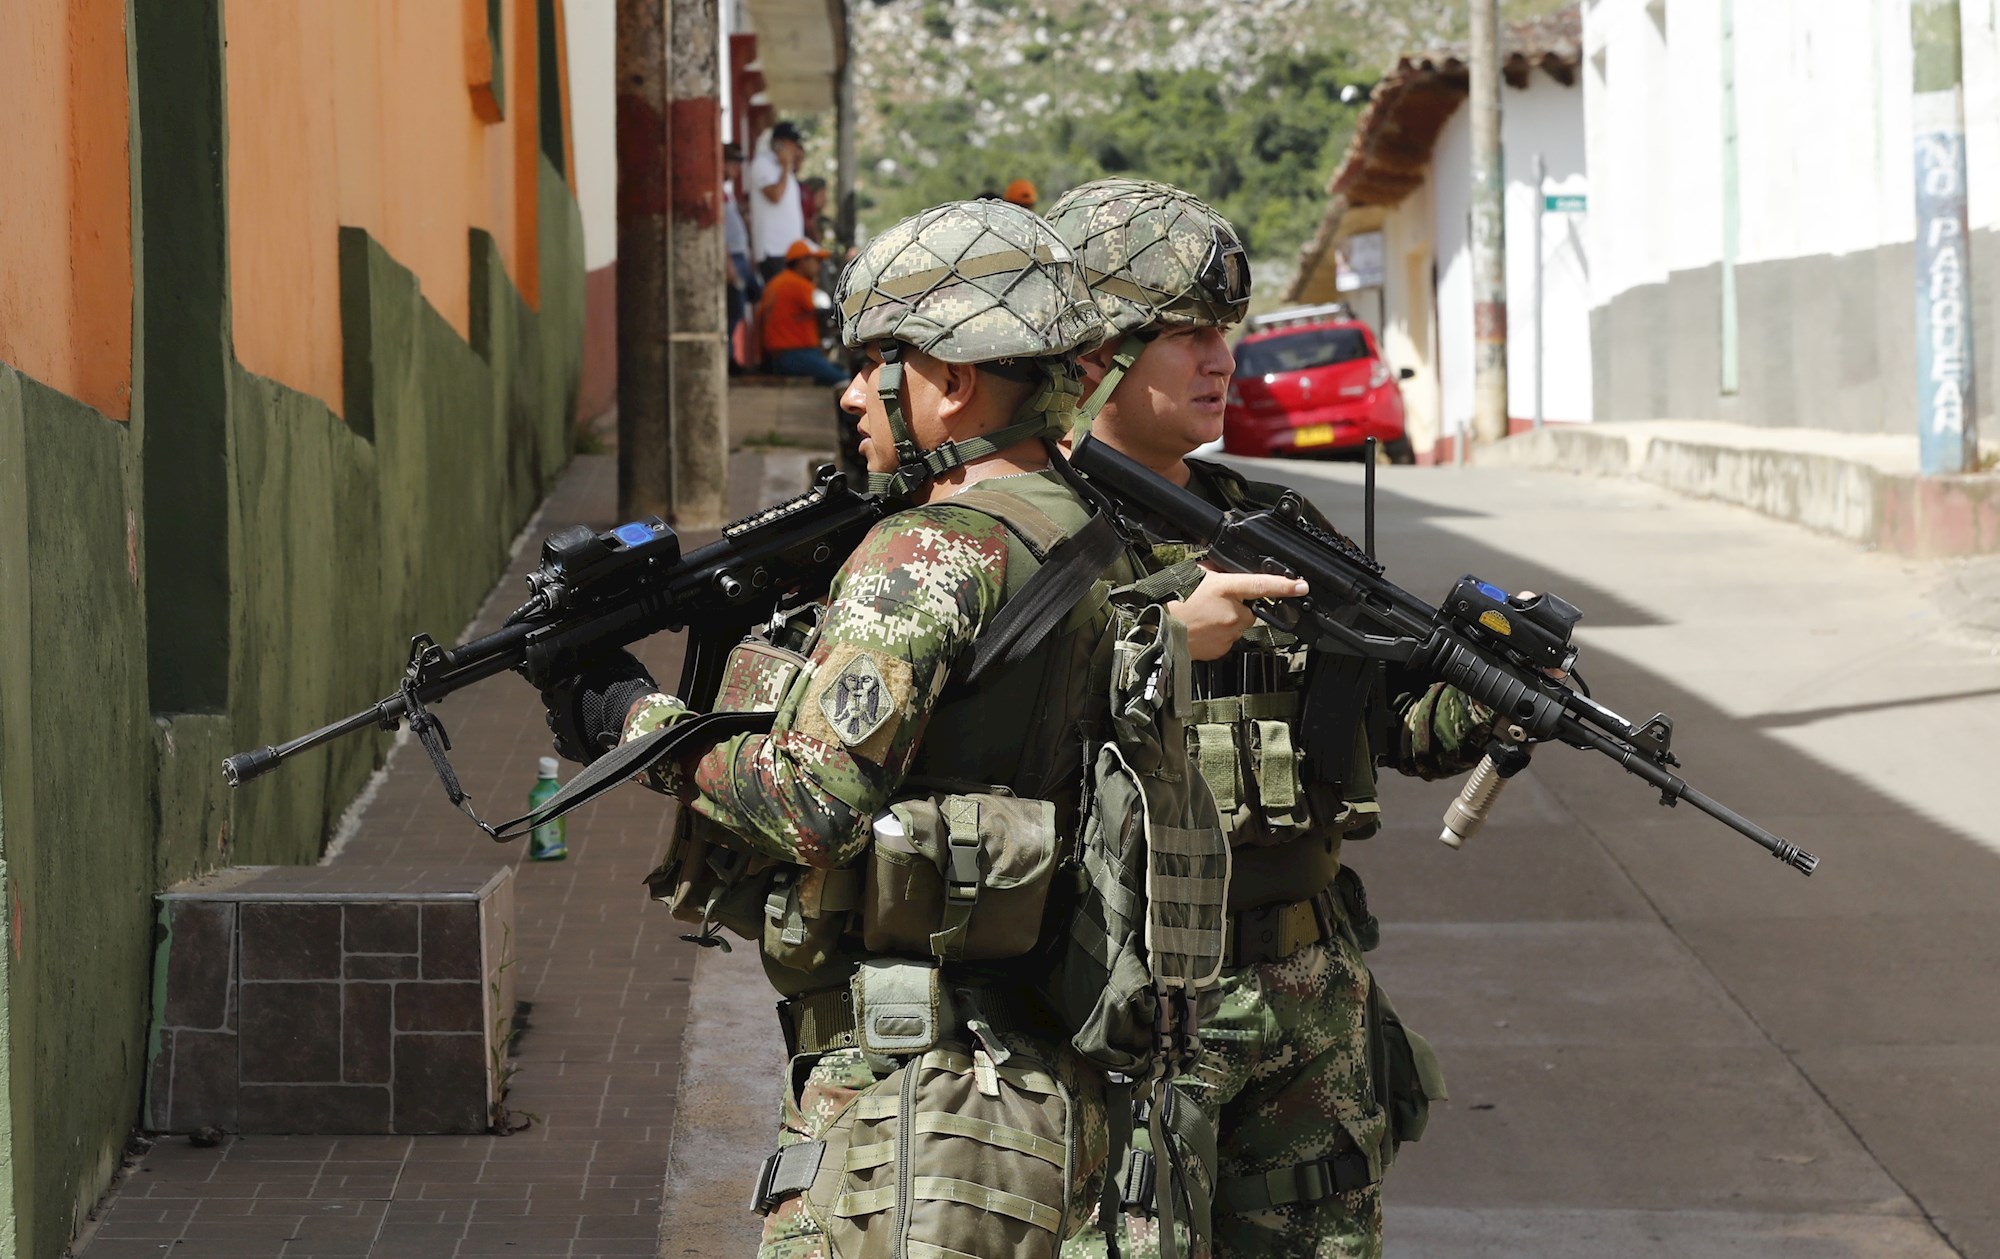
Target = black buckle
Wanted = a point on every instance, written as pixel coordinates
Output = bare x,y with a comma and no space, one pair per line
762,1200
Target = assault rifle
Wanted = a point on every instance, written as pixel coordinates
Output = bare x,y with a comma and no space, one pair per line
1497,648
595,592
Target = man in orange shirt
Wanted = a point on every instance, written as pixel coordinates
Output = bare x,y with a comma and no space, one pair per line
788,315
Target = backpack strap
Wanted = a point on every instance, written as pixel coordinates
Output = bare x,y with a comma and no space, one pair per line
1069,565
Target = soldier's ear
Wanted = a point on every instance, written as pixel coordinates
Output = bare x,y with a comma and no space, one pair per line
958,386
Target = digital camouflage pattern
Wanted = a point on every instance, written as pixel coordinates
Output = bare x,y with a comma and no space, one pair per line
903,607
1285,1064
1143,247
969,282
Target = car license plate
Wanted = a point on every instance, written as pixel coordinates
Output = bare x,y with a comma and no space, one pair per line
1314,435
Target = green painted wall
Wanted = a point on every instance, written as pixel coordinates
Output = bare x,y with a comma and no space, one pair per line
326,539
77,765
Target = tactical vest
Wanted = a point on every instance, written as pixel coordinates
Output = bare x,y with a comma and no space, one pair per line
997,773
1287,833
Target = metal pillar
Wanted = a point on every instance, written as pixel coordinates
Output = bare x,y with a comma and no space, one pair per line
1947,434
843,180
1541,323
1489,230
645,477
697,318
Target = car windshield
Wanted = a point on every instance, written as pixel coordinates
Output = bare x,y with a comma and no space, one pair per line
1297,351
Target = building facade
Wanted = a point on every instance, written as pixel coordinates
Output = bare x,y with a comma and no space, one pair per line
1753,209
1401,198
291,311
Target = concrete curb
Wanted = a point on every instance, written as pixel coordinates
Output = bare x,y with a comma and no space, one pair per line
1831,483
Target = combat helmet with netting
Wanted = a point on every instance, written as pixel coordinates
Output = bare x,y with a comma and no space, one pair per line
1154,257
982,282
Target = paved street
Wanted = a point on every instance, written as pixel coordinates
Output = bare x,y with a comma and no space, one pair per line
1659,1041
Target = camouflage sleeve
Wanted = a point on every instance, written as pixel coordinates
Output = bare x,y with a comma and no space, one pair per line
648,715
1440,731
908,601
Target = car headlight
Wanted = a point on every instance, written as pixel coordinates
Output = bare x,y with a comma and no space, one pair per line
1235,396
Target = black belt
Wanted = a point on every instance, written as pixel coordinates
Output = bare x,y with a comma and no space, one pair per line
1343,1171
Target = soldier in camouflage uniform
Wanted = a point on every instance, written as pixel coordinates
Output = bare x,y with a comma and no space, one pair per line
1305,1063
984,1135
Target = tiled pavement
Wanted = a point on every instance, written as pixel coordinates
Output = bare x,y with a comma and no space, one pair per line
604,983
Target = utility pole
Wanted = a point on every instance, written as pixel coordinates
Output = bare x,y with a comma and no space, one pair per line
1489,231
844,134
1541,321
698,372
1947,432
645,475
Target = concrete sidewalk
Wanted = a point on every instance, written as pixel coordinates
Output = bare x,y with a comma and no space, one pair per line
1659,1041
1861,487
604,987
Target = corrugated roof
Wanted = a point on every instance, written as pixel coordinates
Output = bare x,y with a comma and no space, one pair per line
1390,154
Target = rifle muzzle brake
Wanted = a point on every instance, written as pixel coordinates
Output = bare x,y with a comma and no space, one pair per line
244,766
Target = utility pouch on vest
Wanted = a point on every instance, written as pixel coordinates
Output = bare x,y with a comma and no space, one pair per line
1409,1078
951,1156
959,877
806,910
704,878
899,1007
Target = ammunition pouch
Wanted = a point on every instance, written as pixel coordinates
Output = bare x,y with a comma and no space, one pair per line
806,911
959,877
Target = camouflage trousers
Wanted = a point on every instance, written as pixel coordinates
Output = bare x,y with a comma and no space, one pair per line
1285,1063
987,1145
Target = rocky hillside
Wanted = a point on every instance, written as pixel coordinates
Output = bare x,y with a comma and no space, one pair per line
1237,100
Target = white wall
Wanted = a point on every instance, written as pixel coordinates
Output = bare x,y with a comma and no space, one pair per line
1546,118
590,30
1823,124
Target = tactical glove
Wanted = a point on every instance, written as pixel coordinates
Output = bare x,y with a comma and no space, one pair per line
587,712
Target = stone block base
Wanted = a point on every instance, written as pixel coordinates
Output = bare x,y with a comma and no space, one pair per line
331,1000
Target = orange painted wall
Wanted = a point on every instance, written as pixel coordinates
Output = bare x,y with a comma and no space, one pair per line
66,200
356,113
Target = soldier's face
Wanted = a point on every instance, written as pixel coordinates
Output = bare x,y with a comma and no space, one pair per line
923,397
1173,398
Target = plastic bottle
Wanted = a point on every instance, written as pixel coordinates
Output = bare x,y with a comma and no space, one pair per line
549,841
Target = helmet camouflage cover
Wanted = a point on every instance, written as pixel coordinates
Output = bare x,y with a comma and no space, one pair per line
1154,255
969,282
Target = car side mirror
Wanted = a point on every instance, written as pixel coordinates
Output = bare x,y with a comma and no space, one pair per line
1408,373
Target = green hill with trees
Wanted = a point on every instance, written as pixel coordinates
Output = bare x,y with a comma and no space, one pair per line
1239,101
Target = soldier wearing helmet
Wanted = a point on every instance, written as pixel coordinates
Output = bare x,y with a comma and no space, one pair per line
1312,1081
932,1105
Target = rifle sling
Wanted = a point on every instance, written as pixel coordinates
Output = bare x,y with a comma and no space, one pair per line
1071,569
625,761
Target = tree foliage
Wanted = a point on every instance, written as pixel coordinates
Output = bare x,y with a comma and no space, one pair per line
1258,144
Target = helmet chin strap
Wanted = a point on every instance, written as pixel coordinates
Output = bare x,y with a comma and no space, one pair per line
1127,353
1045,411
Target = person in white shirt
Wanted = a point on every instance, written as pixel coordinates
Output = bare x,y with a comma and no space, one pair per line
777,215
745,285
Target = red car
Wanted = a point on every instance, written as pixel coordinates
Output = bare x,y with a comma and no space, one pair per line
1312,381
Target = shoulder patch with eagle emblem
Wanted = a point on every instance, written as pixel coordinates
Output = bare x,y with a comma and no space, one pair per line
856,702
